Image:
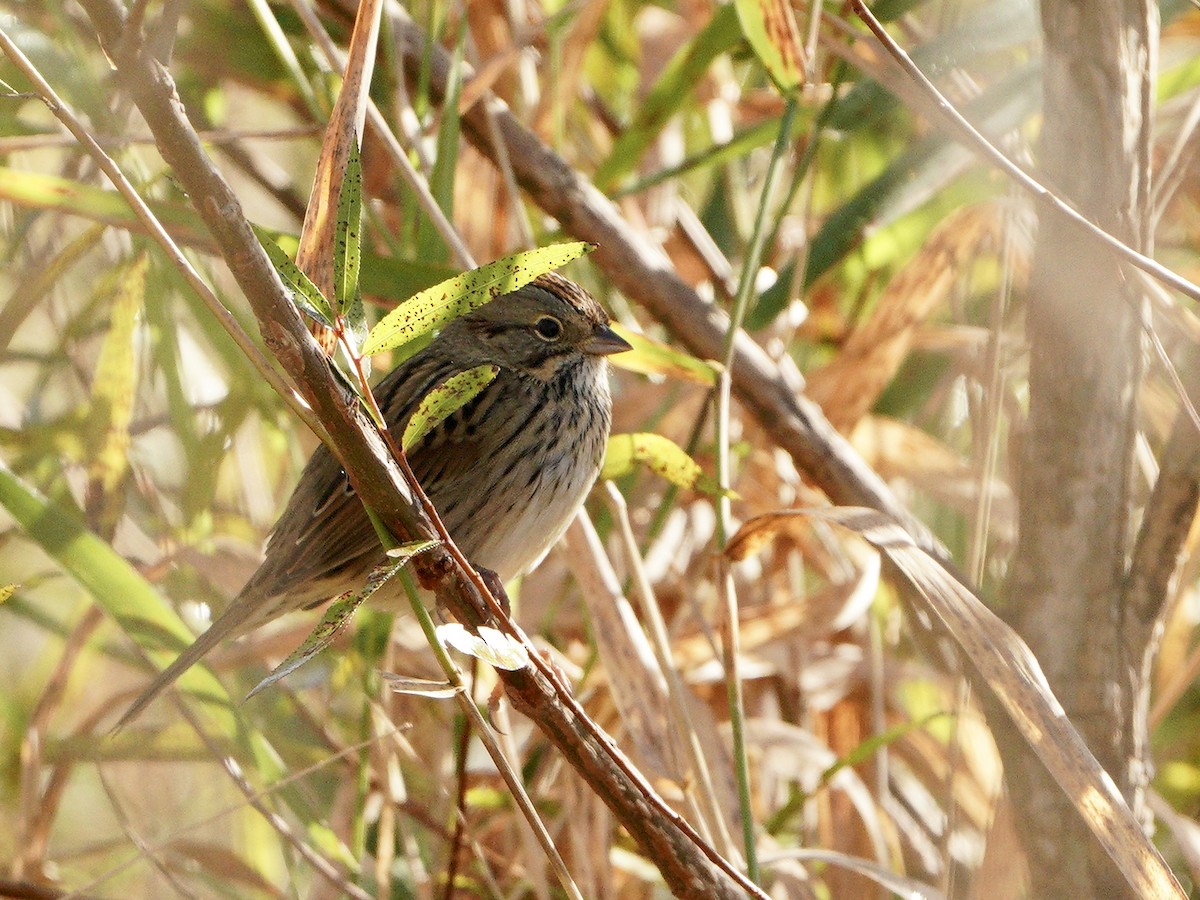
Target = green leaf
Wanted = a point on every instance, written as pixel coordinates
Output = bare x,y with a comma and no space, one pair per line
347,256
338,614
430,243
304,293
660,455
453,393
113,386
442,303
51,192
737,147
770,27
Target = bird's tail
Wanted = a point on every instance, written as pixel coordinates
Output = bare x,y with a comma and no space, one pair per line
229,624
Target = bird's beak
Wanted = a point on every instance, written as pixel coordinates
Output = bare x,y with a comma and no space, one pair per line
604,342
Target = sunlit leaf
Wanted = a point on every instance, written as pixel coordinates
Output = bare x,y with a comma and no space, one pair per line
660,455
651,357
113,387
442,303
446,398
493,647
6,591
35,190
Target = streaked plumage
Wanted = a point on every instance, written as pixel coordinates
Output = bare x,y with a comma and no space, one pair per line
506,471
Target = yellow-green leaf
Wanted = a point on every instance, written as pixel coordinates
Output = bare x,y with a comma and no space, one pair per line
122,592
306,295
347,254
446,398
112,396
6,592
442,303
651,357
660,455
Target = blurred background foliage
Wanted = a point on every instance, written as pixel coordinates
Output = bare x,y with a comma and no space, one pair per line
124,404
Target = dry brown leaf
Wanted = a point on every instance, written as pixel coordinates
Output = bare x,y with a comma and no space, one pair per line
315,253
755,534
639,687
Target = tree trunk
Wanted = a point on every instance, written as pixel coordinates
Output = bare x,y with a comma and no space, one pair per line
1065,590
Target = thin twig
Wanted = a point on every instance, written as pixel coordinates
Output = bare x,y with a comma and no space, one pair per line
25,142
725,586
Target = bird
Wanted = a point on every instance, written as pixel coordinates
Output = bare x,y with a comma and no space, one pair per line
506,471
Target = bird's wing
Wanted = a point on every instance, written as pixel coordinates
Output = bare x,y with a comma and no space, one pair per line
325,529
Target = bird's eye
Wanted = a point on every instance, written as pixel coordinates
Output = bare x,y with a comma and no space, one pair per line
548,328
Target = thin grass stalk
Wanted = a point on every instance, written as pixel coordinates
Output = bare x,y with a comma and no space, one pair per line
40,800
462,746
977,550
725,586
278,42
135,837
705,799
539,886
383,758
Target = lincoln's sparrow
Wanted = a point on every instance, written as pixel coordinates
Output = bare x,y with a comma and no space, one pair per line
506,471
